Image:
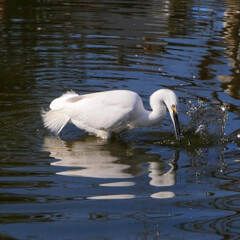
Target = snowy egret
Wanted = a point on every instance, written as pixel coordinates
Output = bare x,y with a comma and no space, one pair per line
103,113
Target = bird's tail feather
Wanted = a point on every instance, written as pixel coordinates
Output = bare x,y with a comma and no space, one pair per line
55,120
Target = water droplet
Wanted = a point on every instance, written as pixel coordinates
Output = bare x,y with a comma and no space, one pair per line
200,128
223,108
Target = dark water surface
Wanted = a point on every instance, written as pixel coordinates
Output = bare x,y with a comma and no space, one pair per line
143,185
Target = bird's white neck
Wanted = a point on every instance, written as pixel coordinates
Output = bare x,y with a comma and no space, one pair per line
149,118
156,115
158,108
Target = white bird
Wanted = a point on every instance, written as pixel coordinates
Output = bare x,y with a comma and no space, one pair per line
104,113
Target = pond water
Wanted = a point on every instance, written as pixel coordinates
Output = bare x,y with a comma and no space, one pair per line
143,184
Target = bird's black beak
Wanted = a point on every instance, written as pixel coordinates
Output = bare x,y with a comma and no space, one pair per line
176,123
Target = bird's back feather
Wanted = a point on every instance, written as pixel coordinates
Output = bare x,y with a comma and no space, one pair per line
108,111
105,110
60,102
55,120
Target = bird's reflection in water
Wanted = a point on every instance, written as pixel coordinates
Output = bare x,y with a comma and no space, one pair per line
92,157
89,157
161,178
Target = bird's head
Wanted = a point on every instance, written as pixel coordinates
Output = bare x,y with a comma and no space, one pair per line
170,100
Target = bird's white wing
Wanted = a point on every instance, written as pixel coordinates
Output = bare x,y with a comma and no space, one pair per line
105,110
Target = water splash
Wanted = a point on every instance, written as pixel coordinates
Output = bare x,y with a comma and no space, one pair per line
204,128
207,122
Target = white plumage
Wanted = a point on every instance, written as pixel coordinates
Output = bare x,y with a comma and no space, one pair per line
103,113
